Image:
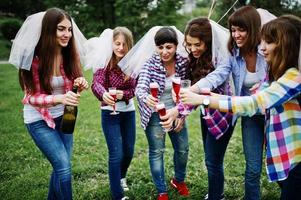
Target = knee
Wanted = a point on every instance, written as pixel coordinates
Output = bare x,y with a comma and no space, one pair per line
156,153
115,156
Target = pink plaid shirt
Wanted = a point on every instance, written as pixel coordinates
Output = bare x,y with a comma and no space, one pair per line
40,100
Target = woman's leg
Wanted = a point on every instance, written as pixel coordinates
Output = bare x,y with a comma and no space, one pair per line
252,137
214,159
57,148
180,145
111,129
156,141
128,134
291,186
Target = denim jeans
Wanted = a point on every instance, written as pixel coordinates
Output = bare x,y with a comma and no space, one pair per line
156,141
214,159
57,148
291,187
120,134
253,137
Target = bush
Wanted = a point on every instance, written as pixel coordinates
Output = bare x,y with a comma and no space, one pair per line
9,27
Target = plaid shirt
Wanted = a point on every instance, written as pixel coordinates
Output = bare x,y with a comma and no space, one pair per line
283,125
104,78
217,122
154,71
40,100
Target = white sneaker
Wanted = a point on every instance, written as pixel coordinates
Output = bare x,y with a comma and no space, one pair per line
124,185
125,198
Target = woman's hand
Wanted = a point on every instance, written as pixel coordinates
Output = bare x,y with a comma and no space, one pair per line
168,119
179,124
108,99
189,97
119,94
151,101
70,98
81,83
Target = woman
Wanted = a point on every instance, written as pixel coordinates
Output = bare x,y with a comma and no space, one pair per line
280,102
161,68
248,68
206,43
47,76
119,129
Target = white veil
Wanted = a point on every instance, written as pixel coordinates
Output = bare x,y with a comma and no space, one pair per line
220,37
28,36
99,50
265,16
133,61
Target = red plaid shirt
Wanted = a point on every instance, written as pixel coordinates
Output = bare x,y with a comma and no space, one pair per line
40,100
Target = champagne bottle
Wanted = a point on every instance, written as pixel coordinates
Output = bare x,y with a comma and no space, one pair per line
69,117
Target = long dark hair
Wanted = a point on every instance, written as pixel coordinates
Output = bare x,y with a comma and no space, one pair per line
45,51
199,67
248,19
285,33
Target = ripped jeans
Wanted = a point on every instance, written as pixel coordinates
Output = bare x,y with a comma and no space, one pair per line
156,141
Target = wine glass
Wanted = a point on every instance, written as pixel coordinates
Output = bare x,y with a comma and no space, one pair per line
176,85
160,107
113,93
184,85
154,89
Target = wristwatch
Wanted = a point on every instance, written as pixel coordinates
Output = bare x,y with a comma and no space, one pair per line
206,101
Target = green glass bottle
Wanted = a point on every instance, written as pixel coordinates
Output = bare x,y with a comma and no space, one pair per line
69,117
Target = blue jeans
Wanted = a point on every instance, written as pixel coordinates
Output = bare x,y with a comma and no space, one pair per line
57,148
214,159
252,138
156,141
120,134
291,187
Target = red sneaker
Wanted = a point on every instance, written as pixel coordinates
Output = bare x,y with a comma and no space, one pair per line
162,196
181,187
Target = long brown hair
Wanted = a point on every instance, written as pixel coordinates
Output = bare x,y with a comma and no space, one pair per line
248,19
46,52
129,41
199,67
284,32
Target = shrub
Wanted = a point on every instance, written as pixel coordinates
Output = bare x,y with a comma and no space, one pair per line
9,27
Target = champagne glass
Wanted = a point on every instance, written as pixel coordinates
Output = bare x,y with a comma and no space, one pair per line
113,93
184,85
154,89
160,107
176,85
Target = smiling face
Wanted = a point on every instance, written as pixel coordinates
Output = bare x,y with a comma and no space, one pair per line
167,52
119,46
63,32
195,46
239,35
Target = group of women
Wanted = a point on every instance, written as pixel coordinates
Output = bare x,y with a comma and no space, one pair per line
253,59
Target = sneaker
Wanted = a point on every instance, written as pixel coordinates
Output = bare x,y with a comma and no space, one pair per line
162,196
124,185
181,187
221,198
125,198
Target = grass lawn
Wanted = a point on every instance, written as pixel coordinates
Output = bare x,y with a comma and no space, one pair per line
24,171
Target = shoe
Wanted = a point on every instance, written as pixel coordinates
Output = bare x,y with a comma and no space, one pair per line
181,187
221,198
125,198
124,185
162,196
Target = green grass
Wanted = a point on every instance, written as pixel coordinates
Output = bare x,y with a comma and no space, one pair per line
24,171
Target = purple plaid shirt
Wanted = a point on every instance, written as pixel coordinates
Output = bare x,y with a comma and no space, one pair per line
104,78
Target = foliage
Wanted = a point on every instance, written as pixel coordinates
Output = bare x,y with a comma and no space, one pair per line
9,27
